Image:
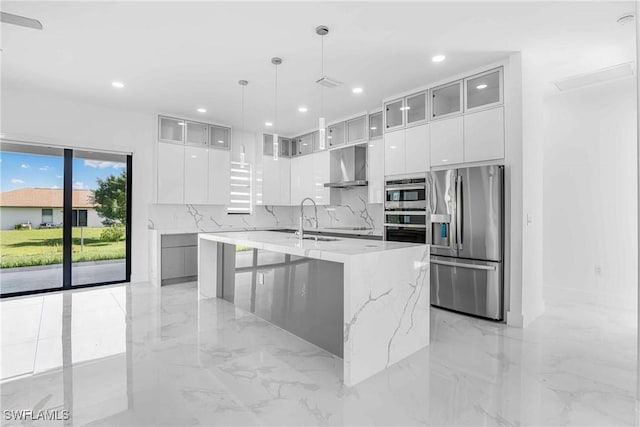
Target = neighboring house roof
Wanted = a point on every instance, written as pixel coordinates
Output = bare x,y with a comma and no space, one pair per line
44,198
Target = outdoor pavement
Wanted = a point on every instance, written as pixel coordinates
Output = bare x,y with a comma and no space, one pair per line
22,279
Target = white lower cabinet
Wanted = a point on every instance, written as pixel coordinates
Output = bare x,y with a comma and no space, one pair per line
170,173
447,143
219,176
407,150
196,161
484,135
375,170
394,149
321,175
417,156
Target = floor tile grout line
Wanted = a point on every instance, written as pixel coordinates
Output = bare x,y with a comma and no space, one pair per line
35,353
117,302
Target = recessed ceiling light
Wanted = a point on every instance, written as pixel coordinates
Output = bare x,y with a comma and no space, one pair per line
220,141
373,128
202,110
268,124
356,90
482,86
438,58
181,123
303,109
117,84
405,108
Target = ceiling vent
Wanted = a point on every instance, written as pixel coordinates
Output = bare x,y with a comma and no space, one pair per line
328,82
595,77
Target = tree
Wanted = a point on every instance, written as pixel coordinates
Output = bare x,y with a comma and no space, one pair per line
111,198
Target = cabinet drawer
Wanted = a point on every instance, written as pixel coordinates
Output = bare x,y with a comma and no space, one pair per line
179,240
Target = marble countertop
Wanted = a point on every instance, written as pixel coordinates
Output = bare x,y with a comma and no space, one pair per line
359,232
339,250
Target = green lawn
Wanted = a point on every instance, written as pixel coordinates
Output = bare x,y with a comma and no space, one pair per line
20,248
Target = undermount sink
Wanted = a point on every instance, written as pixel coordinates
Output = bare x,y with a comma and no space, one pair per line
320,239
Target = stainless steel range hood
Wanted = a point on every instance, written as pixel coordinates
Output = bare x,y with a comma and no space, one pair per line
347,184
348,167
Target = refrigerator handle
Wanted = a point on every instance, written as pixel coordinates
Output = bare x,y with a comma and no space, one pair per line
459,208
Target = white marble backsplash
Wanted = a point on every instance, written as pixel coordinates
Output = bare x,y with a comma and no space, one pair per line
352,211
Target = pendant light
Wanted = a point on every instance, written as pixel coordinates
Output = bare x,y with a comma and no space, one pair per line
243,83
322,129
276,146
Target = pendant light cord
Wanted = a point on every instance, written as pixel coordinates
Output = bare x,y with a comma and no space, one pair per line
321,75
275,122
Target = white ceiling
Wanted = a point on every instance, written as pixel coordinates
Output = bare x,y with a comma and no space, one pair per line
177,56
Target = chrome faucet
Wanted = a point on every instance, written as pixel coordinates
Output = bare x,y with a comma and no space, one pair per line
301,228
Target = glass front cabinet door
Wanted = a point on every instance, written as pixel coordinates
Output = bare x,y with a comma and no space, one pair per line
416,108
170,130
394,114
375,125
356,129
336,134
196,133
483,90
446,100
220,137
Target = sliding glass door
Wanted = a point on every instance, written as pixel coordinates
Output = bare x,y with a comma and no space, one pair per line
99,218
31,240
65,218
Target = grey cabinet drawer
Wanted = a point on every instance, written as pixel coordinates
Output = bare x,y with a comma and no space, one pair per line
176,240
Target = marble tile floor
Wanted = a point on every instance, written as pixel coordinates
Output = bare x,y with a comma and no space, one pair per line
133,355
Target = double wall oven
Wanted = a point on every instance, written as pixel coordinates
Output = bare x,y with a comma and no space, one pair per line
405,209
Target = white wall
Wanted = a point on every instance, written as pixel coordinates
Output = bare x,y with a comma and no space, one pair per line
55,120
590,192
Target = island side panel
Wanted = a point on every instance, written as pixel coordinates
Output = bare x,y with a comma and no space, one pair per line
207,268
386,310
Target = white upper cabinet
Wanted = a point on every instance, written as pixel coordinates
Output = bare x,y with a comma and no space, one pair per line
483,90
394,152
375,170
375,125
196,175
219,176
407,150
301,178
321,175
446,100
394,115
220,137
196,133
417,147
337,134
416,108
484,135
170,176
276,181
171,130
357,129
447,144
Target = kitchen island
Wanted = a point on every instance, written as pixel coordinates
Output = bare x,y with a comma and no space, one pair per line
382,287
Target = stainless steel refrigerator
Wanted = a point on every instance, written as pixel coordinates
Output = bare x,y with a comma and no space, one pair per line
466,210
